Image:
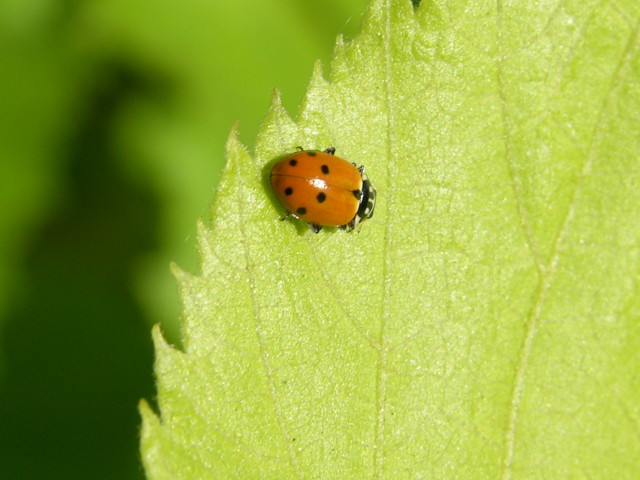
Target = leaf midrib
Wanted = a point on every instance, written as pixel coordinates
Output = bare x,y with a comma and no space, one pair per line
381,380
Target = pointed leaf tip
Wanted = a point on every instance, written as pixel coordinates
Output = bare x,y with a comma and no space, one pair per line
233,138
276,96
318,70
276,124
158,338
177,272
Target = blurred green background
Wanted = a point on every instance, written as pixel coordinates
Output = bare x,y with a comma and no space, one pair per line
113,118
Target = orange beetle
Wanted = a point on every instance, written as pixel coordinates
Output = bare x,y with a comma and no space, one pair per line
323,190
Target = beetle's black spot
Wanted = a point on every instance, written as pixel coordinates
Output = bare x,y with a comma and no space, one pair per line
311,154
301,211
321,197
325,169
293,162
357,194
288,191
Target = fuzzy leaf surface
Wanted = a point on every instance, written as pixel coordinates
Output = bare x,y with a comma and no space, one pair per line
485,322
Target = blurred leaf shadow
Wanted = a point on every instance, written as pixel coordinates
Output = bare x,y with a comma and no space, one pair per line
77,353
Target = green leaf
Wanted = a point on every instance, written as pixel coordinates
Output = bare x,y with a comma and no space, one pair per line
190,55
485,322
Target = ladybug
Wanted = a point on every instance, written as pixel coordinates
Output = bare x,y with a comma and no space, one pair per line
323,190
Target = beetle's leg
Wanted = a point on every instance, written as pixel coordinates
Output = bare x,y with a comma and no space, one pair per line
351,225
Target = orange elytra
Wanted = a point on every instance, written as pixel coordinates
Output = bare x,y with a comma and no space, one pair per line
323,190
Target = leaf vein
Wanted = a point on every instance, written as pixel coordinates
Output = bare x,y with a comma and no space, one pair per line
337,299
382,370
264,357
533,319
